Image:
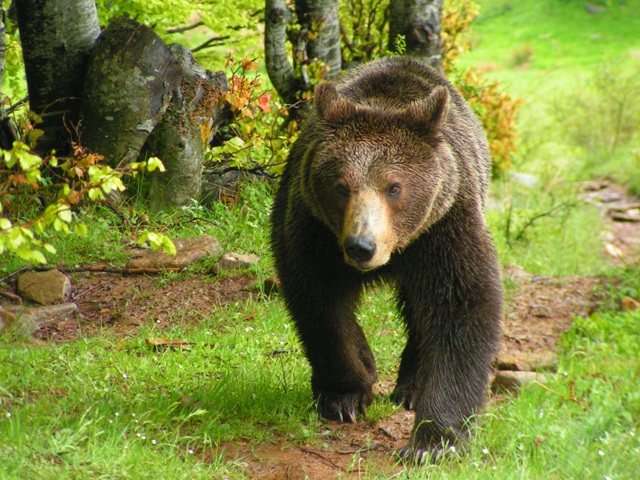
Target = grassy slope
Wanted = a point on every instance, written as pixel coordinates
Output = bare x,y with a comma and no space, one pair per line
111,408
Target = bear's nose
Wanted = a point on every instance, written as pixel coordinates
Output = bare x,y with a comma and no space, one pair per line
360,249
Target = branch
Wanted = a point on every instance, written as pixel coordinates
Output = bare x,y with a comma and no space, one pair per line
210,43
186,28
548,213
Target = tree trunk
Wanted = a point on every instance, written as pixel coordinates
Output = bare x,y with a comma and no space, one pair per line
318,39
320,17
56,37
130,79
280,70
7,132
419,22
180,137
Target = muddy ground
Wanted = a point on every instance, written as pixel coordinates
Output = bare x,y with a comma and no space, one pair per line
538,310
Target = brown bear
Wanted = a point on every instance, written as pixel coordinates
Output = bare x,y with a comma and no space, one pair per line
388,180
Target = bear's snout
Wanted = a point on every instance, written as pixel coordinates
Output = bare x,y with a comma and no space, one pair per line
360,249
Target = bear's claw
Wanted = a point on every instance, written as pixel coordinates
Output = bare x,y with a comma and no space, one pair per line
403,397
424,455
343,407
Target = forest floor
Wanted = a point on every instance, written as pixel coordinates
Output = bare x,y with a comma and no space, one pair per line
538,310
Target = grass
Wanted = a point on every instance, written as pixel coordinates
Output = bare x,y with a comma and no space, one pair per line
109,407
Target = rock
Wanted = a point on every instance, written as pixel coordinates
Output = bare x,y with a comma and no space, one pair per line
45,288
594,186
624,217
610,197
628,304
188,251
534,362
613,251
234,261
515,273
507,381
27,320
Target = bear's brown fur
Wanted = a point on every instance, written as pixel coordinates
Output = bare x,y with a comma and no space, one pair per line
388,179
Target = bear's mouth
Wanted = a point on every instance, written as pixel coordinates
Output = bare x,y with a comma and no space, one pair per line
364,266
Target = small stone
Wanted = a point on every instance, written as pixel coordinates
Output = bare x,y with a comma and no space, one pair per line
532,362
613,251
628,304
234,261
593,186
45,288
506,381
610,197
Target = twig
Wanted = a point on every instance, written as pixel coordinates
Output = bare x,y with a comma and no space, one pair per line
322,457
210,42
571,398
96,268
548,213
185,28
15,106
88,290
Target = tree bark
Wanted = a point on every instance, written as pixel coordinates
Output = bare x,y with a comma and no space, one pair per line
318,39
180,137
320,17
56,37
419,22
280,70
130,79
3,45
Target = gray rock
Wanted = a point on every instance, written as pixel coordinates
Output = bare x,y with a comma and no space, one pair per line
45,288
234,261
507,381
26,320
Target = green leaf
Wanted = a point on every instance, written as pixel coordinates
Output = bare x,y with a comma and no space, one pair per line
37,257
154,163
5,224
80,229
49,248
65,215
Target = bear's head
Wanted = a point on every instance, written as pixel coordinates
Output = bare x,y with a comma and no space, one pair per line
378,174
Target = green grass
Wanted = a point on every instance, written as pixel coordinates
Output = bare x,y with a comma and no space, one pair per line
568,49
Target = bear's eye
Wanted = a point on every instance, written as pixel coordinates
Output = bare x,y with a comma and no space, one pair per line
342,190
394,190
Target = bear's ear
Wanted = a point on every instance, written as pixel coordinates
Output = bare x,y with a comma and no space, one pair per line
433,111
329,104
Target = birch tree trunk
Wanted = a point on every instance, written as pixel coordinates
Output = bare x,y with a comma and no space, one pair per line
419,22
320,17
279,67
56,37
317,40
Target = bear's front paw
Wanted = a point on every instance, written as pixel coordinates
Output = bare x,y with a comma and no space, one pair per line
425,454
343,406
